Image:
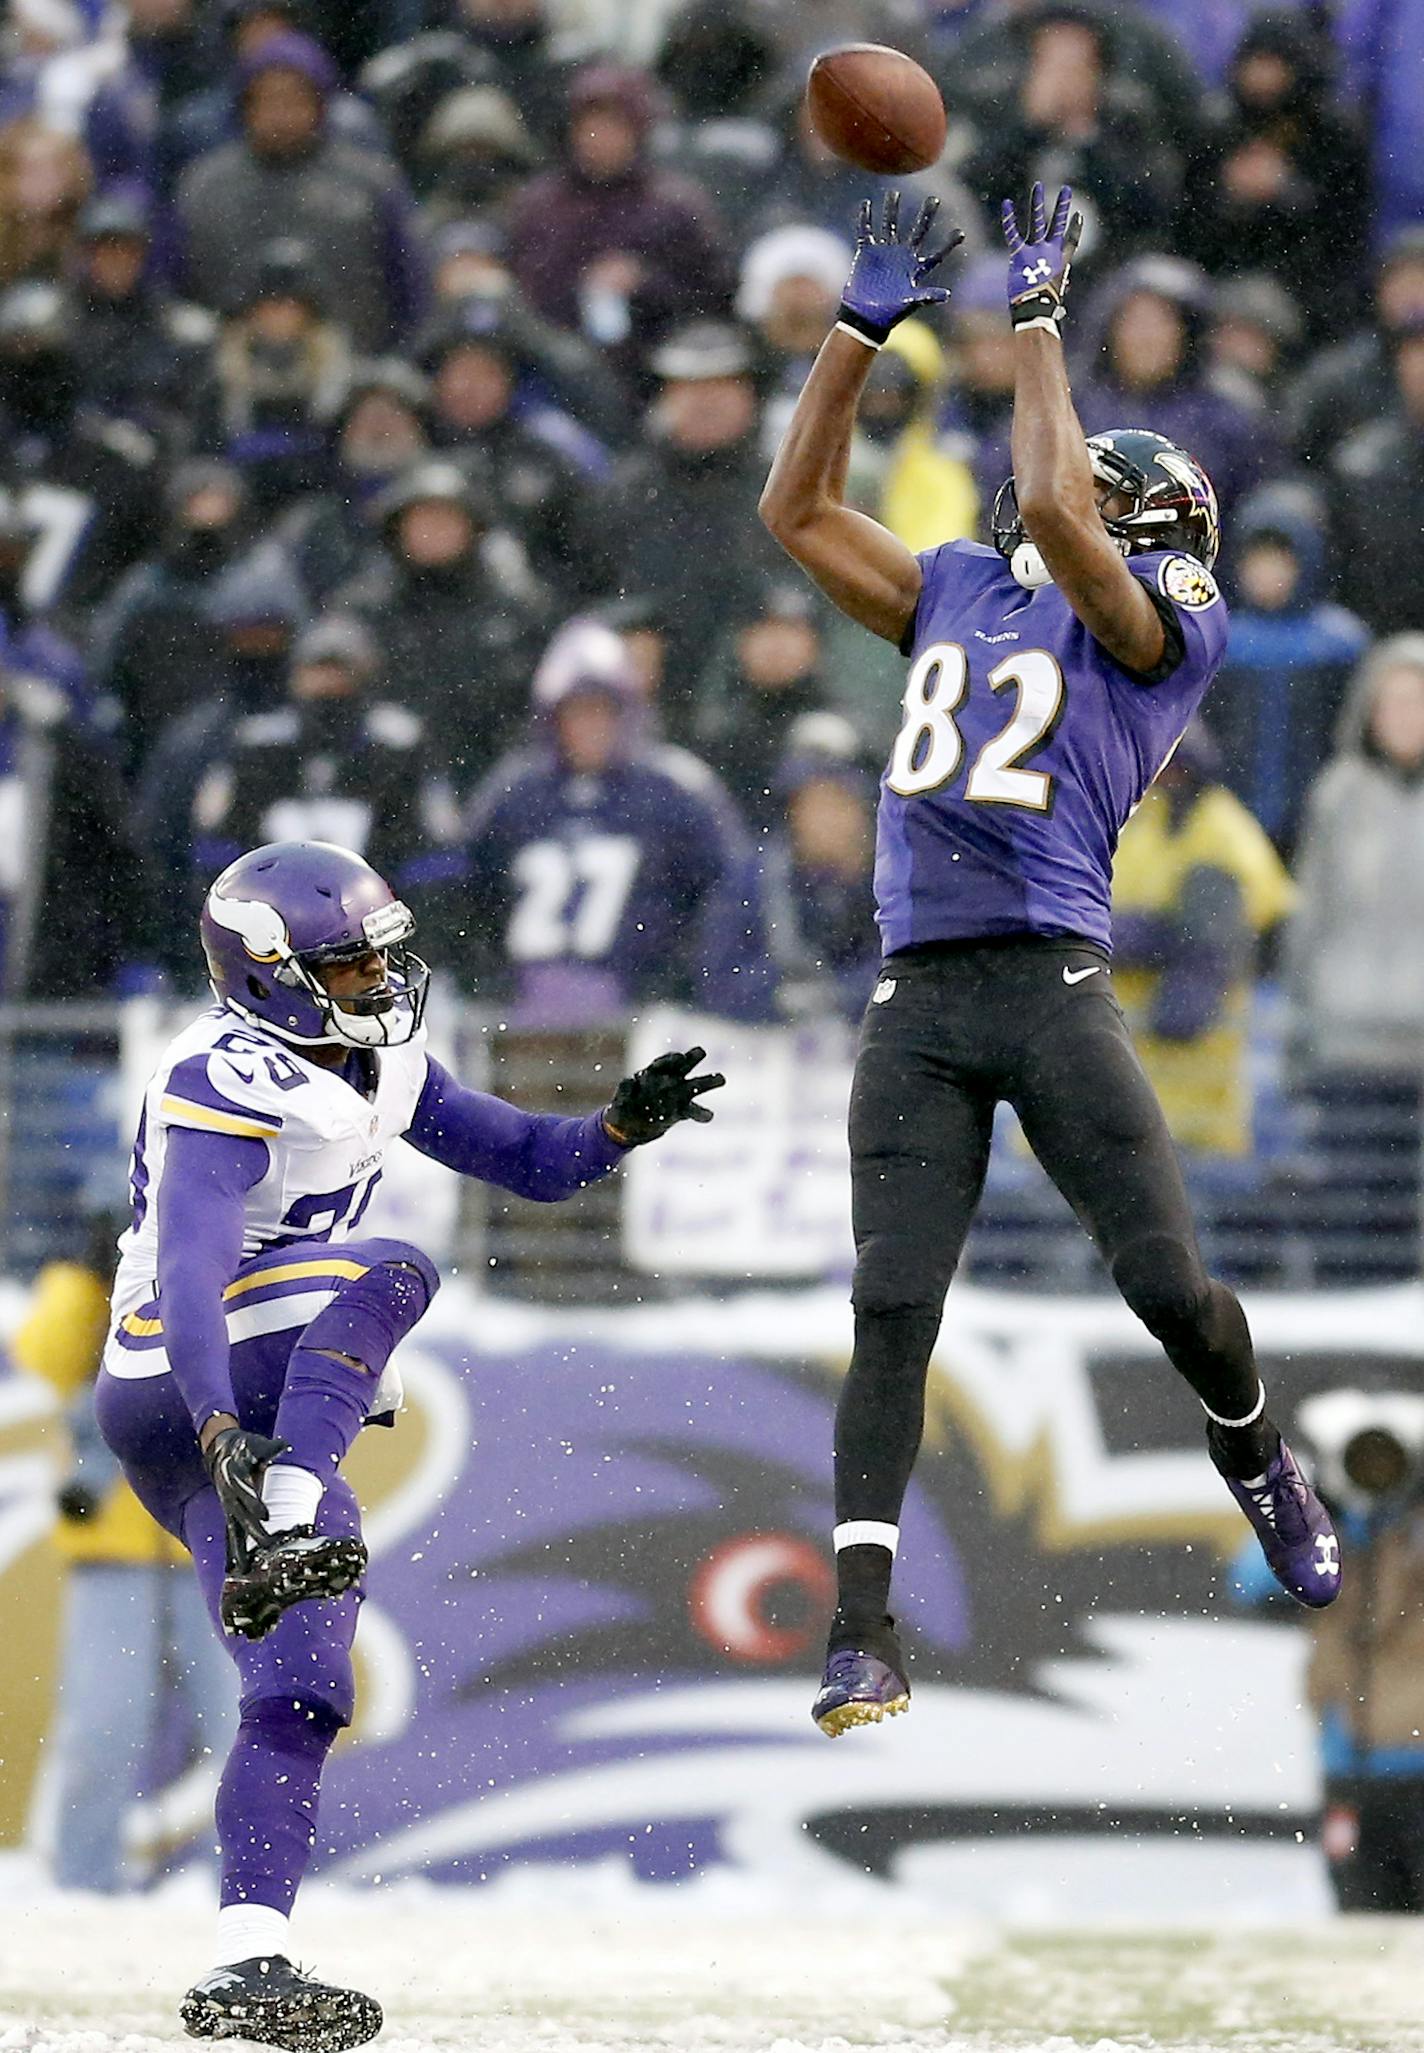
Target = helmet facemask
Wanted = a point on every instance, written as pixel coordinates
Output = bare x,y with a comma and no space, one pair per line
1170,504
386,1016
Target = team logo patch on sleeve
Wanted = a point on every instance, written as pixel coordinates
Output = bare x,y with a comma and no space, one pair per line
1187,583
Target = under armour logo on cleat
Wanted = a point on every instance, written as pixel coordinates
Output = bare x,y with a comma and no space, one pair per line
1328,1549
1076,976
884,991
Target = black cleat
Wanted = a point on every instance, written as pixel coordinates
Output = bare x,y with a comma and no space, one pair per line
291,1567
270,2001
864,1679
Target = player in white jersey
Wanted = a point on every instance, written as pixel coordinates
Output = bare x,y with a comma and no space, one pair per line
254,1327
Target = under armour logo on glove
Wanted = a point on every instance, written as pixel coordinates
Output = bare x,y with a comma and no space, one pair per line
1039,261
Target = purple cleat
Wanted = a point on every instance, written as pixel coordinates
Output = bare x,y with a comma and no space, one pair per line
864,1680
1297,1538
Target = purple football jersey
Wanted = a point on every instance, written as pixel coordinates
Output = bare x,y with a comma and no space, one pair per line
1023,750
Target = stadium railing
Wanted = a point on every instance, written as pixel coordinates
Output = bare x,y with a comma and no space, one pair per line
1338,1203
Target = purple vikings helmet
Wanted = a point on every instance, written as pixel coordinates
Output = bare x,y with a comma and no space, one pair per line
278,913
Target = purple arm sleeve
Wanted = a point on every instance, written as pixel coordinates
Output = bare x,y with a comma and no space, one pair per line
206,1176
536,1155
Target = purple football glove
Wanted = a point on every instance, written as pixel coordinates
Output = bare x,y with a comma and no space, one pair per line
887,279
1039,263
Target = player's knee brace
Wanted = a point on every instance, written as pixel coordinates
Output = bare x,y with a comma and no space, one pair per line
371,1314
1163,1281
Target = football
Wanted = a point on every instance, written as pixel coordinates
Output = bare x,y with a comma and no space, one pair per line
876,108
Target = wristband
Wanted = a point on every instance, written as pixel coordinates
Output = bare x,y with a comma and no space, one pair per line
868,332
1038,310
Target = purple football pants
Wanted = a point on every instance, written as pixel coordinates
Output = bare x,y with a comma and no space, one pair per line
297,1684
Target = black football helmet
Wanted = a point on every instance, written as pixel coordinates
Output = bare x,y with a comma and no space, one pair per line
1172,504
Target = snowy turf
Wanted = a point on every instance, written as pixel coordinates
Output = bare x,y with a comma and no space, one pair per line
454,1971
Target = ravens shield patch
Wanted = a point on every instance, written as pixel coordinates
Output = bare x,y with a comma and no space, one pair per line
1187,583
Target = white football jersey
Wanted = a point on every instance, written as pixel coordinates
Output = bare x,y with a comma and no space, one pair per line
326,1143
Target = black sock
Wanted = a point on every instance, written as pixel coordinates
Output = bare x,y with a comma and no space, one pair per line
1243,1452
863,1584
881,1414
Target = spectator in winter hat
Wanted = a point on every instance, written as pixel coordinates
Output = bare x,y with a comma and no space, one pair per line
790,288
142,353
606,242
1355,955
815,869
542,466
474,153
1074,116
1262,190
257,611
381,429
1253,342
718,63
598,861
689,491
1352,384
1274,704
281,371
765,673
337,762
213,117
1154,313
287,176
1377,496
157,647
456,609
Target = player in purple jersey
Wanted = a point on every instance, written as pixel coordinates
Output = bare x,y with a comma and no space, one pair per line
253,1330
1050,678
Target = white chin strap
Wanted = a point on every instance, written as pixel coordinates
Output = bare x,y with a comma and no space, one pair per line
1028,567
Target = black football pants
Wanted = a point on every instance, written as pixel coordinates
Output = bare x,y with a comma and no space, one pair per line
951,1031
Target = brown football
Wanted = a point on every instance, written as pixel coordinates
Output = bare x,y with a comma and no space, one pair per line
876,108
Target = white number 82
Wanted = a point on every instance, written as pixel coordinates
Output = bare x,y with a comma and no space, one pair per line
929,748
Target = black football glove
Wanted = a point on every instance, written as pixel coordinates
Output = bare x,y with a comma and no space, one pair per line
647,1103
236,1461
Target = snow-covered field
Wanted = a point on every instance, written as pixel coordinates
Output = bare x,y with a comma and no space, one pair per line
80,1976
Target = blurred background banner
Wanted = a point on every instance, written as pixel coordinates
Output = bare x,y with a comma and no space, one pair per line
767,1191
600,1571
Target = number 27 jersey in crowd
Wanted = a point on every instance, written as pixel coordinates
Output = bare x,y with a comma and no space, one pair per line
1024,748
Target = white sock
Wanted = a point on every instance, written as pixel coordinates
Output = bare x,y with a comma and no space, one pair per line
291,1496
250,1931
866,1532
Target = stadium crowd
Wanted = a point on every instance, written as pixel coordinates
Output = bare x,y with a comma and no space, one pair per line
386,387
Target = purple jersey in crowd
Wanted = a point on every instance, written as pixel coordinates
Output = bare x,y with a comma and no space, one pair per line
1024,749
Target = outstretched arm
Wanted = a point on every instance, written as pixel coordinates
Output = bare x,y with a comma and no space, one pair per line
861,567
539,1155
1053,479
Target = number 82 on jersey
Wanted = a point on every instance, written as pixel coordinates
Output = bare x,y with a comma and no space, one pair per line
929,749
